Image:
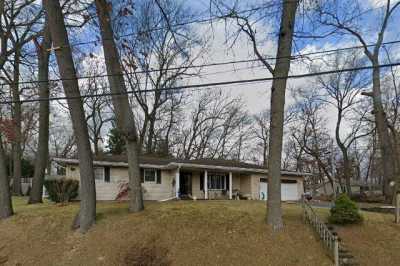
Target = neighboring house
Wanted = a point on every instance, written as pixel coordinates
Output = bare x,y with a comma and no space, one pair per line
166,178
357,187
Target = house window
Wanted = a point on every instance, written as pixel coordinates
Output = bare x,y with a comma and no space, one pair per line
150,175
99,173
217,181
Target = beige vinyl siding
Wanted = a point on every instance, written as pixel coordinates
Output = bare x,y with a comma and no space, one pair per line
165,190
72,172
246,184
255,187
235,181
119,175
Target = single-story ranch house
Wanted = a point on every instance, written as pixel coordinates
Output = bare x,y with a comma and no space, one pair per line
168,178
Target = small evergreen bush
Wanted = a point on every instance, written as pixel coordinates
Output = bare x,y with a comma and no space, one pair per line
62,190
345,211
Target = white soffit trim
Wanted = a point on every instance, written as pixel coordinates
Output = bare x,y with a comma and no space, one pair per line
114,164
174,165
216,167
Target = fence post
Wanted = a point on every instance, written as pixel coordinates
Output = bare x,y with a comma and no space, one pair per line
397,214
336,250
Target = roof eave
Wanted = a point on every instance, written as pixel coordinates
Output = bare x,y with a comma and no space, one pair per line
175,165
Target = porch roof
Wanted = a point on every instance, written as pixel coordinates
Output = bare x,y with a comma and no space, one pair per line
174,163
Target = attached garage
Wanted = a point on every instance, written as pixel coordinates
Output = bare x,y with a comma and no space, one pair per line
289,190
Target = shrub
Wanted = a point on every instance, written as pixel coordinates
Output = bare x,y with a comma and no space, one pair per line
345,211
62,190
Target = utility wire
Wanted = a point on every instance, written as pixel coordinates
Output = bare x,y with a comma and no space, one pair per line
176,25
204,85
194,21
293,57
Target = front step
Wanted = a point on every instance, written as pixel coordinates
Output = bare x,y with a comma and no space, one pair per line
348,262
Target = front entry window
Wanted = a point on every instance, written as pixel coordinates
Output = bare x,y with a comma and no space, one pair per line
217,181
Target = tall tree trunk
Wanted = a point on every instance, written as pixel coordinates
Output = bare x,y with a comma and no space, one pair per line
96,145
347,175
6,209
59,36
150,136
383,131
124,114
17,118
44,111
278,90
343,149
265,152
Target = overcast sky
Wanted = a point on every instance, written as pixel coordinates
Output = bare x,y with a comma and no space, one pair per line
256,95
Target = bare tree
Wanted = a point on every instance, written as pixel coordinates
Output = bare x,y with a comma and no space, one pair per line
312,137
62,142
349,23
98,113
261,132
42,155
342,91
6,209
87,214
155,60
18,20
215,128
278,91
125,118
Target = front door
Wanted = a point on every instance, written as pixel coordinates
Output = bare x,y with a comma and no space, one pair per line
185,184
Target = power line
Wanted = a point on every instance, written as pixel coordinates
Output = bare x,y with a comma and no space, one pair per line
204,85
176,25
293,57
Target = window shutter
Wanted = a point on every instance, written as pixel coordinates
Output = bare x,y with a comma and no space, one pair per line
141,175
107,174
227,182
158,176
202,181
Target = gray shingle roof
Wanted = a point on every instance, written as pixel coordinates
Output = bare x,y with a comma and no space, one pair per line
167,161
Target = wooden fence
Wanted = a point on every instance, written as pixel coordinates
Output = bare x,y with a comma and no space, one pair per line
329,239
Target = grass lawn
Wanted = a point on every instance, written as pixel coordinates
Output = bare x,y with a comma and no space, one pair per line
177,233
374,242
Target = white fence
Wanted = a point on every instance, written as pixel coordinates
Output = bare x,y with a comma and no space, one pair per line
329,239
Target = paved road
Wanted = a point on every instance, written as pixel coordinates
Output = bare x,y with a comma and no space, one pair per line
321,204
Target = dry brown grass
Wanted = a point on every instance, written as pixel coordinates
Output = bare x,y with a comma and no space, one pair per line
374,242
173,233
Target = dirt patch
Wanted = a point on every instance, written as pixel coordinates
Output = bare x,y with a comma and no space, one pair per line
151,254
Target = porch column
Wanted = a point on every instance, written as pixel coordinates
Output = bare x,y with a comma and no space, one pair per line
230,185
177,177
205,185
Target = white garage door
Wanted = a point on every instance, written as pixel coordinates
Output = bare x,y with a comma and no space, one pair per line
288,191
